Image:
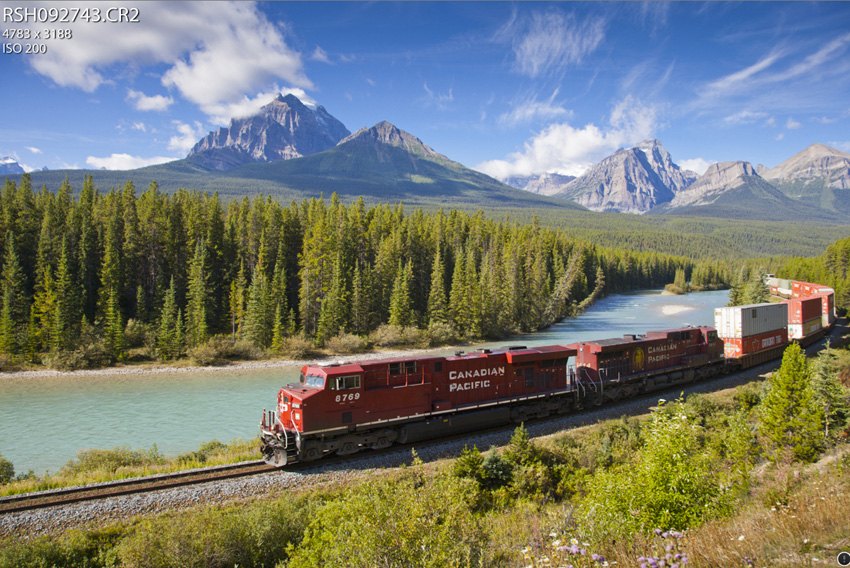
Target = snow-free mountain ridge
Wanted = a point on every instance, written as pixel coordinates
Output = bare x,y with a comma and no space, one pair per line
283,129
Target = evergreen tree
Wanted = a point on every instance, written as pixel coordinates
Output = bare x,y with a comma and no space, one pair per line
113,333
66,311
437,306
238,295
830,396
788,415
167,337
13,316
401,310
197,297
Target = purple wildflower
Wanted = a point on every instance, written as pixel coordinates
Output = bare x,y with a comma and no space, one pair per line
658,532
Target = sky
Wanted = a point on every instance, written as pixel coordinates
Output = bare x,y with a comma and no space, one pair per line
510,89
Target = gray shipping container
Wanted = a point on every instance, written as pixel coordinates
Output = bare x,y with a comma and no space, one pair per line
754,319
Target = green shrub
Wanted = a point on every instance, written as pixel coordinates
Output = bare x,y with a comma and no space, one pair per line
297,347
137,334
387,336
207,450
7,470
220,349
111,460
673,482
440,333
219,537
407,521
347,343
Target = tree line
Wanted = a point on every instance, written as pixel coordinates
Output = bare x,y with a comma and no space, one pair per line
94,270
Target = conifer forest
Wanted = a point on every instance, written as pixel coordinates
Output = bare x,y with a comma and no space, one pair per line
87,275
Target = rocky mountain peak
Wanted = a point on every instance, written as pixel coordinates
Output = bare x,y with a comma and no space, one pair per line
283,129
10,166
816,161
717,179
632,180
387,133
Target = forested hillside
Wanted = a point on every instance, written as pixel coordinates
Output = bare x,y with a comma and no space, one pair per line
87,278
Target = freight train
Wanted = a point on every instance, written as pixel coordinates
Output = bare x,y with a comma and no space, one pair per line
345,408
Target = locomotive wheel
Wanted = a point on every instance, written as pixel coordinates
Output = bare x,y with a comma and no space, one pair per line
311,454
347,448
381,443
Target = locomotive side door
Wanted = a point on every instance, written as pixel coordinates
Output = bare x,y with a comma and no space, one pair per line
347,396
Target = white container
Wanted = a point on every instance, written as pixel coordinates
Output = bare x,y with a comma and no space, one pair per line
736,322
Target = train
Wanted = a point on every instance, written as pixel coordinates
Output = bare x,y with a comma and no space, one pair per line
345,408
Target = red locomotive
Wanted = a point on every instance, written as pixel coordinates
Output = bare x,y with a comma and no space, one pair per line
345,408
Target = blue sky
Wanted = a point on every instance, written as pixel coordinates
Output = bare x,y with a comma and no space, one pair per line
507,88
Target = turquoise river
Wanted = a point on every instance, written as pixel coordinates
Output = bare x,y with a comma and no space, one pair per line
44,421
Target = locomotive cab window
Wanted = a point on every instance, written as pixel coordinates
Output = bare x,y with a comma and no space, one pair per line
410,367
395,368
347,383
313,381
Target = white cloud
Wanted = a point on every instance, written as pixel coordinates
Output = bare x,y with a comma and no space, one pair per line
143,102
697,165
792,124
33,149
780,136
550,41
125,162
216,51
187,138
140,126
320,54
221,114
748,117
564,149
439,100
530,109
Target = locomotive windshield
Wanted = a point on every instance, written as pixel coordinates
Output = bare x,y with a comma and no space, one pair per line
312,381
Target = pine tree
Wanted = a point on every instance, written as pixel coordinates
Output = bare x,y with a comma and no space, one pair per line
197,297
401,309
437,305
66,313
830,396
167,343
14,313
238,295
113,332
788,415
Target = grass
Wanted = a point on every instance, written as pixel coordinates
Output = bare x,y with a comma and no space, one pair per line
96,466
787,513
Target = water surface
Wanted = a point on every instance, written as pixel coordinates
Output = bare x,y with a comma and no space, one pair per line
45,421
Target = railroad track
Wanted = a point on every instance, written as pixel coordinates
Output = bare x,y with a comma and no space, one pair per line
70,495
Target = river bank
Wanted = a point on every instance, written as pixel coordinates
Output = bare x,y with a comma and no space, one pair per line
155,369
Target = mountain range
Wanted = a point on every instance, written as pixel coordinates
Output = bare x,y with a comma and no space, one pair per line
293,150
644,179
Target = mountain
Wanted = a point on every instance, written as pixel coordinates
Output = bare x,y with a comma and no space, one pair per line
541,184
385,163
285,128
631,180
9,166
818,175
734,190
818,163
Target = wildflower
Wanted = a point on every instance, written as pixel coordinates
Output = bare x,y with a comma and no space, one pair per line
740,538
573,541
658,532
